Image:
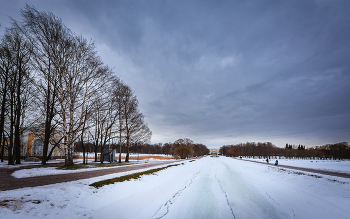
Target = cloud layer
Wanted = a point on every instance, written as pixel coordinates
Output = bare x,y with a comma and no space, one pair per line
222,72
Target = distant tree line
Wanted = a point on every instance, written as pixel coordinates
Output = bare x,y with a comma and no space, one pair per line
181,148
300,147
54,83
268,150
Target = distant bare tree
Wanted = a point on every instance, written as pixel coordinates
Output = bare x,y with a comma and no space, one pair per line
183,141
135,128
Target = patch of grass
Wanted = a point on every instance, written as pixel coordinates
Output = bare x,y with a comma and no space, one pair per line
129,177
299,173
316,176
191,161
111,164
74,167
5,203
16,204
91,165
334,180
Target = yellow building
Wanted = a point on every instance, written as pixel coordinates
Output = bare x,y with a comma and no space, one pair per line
32,145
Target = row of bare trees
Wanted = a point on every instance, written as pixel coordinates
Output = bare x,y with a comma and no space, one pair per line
53,81
158,148
267,150
169,148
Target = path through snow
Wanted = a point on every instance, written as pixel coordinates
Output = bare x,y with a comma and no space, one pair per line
227,188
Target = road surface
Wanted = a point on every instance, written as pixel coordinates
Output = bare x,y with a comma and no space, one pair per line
229,188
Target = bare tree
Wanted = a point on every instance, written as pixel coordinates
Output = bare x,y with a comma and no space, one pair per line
49,39
18,50
105,116
131,127
120,94
82,77
6,64
74,91
129,112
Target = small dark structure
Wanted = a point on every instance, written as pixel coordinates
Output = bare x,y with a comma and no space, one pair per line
109,155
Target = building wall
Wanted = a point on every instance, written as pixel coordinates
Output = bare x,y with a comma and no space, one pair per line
28,146
30,143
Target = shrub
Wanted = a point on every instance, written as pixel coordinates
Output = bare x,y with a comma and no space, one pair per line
183,152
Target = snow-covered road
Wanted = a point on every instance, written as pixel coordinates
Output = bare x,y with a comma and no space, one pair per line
218,190
205,188
228,188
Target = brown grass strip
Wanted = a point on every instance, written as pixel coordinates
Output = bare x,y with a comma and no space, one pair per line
129,177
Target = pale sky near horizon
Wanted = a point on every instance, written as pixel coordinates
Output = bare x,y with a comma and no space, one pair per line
223,72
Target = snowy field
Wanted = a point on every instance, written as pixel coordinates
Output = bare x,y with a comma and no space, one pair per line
54,171
206,188
5,166
131,155
342,166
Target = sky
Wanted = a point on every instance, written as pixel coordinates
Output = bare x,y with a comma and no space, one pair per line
223,72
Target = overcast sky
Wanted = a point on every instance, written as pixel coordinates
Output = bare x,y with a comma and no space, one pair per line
223,72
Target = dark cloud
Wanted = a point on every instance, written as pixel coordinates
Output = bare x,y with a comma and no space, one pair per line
221,72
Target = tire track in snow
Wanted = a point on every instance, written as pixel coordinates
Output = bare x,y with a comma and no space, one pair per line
173,199
227,201
278,203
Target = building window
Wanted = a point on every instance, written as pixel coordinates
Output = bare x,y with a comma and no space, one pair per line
38,147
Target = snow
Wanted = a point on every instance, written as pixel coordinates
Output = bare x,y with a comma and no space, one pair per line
4,165
205,188
92,155
53,171
41,171
342,166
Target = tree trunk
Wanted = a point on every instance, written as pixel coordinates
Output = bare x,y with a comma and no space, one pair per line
2,147
95,149
18,113
84,162
17,142
120,152
101,157
48,157
10,148
82,145
2,118
46,141
127,150
49,116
